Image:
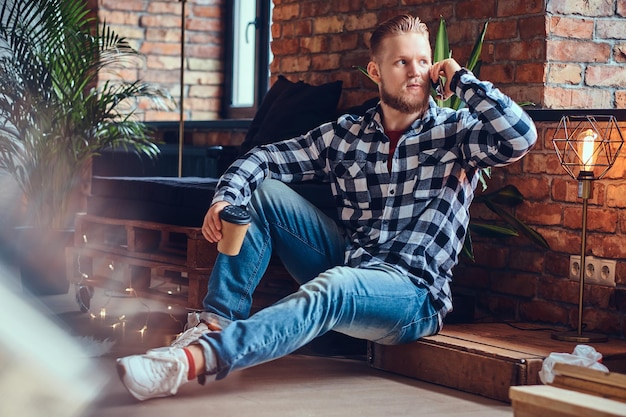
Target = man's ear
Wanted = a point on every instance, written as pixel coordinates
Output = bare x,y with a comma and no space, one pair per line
373,71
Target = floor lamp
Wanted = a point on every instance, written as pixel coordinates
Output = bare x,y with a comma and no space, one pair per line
587,147
181,115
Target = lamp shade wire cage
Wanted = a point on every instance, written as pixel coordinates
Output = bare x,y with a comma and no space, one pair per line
587,148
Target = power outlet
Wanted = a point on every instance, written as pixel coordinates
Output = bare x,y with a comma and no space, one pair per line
597,271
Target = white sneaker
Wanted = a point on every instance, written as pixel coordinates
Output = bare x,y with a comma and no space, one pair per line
157,373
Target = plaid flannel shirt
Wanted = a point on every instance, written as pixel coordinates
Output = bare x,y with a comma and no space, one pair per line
415,217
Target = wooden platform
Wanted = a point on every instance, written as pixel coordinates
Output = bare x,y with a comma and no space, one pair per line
483,359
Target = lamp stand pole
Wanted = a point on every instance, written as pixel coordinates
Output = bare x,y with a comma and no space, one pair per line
181,115
584,190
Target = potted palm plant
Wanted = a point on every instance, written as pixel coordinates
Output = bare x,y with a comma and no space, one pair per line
57,113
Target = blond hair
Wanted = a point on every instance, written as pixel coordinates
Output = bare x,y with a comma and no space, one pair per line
396,26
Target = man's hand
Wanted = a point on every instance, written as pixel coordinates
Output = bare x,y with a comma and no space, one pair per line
212,226
446,68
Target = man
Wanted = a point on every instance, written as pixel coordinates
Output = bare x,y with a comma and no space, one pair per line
403,176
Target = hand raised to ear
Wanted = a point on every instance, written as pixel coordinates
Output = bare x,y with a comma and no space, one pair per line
444,69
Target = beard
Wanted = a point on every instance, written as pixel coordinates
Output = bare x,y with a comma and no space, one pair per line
404,104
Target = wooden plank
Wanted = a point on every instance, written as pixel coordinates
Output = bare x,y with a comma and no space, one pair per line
485,375
591,381
546,400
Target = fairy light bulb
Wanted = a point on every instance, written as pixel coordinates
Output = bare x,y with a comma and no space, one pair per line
586,149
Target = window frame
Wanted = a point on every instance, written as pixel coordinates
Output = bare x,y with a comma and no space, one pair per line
262,60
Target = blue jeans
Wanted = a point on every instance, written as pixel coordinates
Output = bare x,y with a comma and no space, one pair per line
378,303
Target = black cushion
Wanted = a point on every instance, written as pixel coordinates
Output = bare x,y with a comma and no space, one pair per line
292,109
171,200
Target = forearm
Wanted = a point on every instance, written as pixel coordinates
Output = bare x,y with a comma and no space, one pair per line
510,132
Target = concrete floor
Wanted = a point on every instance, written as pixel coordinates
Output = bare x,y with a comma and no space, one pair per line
307,383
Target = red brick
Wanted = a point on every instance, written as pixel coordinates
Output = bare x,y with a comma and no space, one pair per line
160,48
620,99
475,9
502,307
295,64
325,62
565,74
521,51
282,12
527,261
162,8
606,76
530,73
578,51
560,289
533,188
122,18
543,311
501,29
585,8
610,246
606,322
533,27
522,285
128,5
540,213
519,8
315,9
569,27
576,98
611,29
160,21
285,47
343,42
560,240
330,24
206,11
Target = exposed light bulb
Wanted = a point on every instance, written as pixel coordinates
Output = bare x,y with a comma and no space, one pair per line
586,149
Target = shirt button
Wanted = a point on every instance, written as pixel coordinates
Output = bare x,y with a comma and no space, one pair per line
392,192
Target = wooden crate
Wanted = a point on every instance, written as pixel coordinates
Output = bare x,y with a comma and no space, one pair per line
483,359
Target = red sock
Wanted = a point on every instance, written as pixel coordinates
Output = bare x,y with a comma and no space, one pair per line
191,374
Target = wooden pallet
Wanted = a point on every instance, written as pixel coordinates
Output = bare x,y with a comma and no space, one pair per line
142,257
483,359
139,256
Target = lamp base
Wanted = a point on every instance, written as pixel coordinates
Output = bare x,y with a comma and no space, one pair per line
584,337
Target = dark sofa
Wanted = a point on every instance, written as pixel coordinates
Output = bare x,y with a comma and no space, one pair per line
128,186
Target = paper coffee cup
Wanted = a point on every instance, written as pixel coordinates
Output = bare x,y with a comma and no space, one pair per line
235,223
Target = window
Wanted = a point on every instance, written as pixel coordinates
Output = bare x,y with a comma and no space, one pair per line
247,57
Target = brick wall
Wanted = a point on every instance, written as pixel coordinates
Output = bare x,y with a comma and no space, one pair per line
563,54
558,54
154,29
586,52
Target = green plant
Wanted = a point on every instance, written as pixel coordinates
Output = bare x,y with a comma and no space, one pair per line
55,114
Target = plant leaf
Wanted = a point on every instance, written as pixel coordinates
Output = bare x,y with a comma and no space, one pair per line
508,195
493,230
477,50
520,226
